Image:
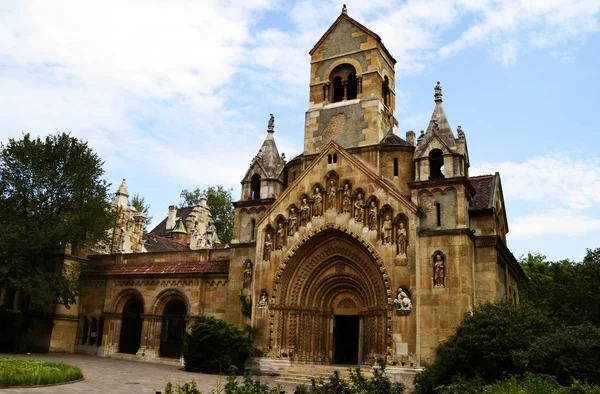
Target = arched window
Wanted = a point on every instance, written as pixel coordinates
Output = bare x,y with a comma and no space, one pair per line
255,187
343,83
385,91
395,166
436,164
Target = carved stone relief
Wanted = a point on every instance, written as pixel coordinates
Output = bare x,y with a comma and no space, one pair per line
403,302
439,270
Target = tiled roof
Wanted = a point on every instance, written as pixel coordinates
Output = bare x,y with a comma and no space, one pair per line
167,268
393,139
161,228
157,243
483,186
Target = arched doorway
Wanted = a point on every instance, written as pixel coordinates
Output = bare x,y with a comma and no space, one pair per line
131,326
173,328
331,302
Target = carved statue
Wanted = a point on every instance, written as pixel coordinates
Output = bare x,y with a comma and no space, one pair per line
331,195
438,91
271,124
359,206
438,271
403,302
401,239
292,222
373,216
460,132
304,212
263,300
247,274
209,234
267,248
280,235
318,202
386,230
347,202
122,240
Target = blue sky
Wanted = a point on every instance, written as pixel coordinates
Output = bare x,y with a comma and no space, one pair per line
176,95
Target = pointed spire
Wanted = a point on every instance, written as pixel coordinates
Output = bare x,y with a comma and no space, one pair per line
344,10
123,189
438,93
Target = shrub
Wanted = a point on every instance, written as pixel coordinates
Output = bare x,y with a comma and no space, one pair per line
359,384
213,346
497,339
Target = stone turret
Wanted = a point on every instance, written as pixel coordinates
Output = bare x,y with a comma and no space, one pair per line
122,196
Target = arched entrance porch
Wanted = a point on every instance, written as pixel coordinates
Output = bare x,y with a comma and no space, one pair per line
173,328
131,326
330,302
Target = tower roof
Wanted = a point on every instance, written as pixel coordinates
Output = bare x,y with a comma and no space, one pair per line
123,189
268,155
439,122
344,16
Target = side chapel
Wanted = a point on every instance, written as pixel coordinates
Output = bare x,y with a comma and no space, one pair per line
366,245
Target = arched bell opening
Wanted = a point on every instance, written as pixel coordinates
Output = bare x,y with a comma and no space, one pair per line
131,326
330,302
173,328
343,82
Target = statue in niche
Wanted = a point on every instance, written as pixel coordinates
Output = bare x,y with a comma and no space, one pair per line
386,230
359,206
331,195
293,222
403,302
401,240
209,234
280,236
373,216
438,271
268,247
263,300
318,202
347,202
247,274
304,212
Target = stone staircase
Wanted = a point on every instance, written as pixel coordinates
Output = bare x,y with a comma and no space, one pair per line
303,373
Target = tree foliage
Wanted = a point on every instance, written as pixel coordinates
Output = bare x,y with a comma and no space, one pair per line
220,202
52,195
139,203
214,346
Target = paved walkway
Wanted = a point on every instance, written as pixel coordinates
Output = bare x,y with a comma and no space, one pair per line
114,376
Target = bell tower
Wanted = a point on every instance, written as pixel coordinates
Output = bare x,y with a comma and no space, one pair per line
352,95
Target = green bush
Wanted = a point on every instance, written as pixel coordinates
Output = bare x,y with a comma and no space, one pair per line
214,346
358,384
497,339
23,372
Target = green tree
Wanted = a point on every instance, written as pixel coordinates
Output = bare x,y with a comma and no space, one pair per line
220,203
51,196
139,203
497,339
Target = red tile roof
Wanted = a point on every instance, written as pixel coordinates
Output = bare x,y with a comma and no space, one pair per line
483,186
171,267
156,243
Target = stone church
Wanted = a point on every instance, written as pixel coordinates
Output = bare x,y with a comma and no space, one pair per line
366,245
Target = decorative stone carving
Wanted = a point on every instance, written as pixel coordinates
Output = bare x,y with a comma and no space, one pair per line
318,202
268,247
122,240
304,212
460,132
386,230
209,235
346,201
247,274
403,302
271,124
263,301
402,240
372,216
359,208
280,236
439,271
331,194
437,92
292,222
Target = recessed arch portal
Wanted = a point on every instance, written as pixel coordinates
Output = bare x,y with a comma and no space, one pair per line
333,272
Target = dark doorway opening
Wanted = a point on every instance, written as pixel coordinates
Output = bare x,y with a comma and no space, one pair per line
345,334
173,329
131,327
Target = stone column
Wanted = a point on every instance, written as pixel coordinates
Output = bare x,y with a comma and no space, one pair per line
345,85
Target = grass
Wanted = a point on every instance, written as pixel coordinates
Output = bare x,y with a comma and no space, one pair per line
22,372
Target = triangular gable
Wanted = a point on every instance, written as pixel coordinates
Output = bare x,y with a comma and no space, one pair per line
420,152
376,178
358,25
497,193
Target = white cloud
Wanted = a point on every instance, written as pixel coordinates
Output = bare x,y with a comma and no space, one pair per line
565,188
